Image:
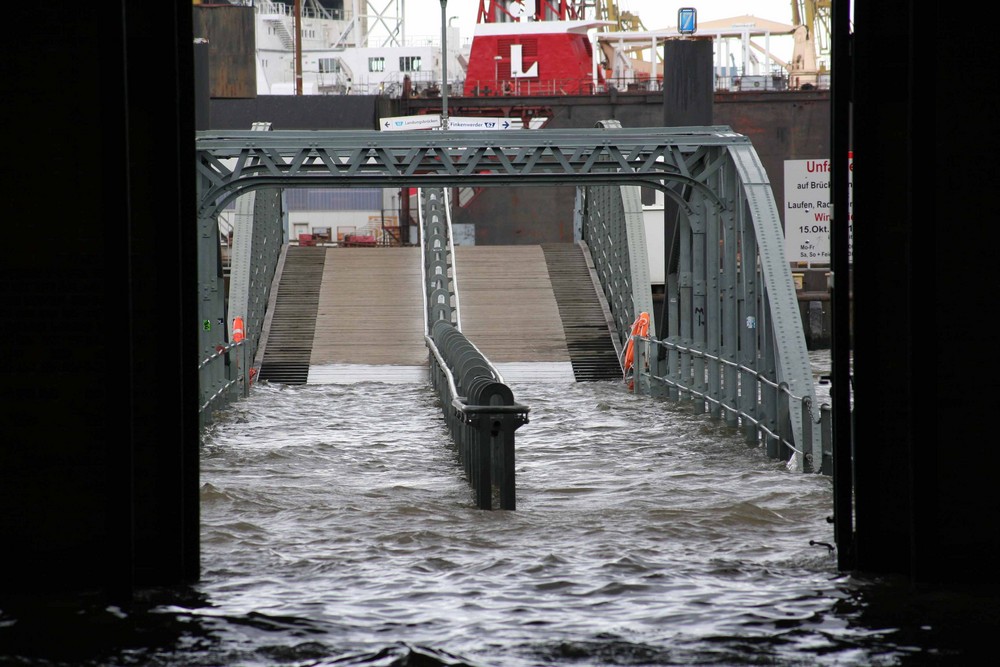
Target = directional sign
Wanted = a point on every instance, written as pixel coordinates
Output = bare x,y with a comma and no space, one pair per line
687,20
479,123
431,121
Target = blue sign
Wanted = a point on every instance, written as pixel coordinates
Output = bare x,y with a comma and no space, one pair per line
687,20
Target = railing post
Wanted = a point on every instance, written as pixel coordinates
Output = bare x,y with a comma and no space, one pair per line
673,333
480,469
503,461
808,458
784,424
484,413
656,366
640,374
826,439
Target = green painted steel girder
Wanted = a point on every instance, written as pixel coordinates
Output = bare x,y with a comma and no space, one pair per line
712,174
232,163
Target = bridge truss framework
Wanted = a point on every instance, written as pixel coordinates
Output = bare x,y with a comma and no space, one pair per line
735,343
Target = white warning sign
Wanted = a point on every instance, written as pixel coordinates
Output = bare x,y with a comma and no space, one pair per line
809,210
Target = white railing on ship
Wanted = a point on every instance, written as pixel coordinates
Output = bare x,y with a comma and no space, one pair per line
308,11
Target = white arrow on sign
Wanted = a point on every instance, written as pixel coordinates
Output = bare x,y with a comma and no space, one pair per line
431,121
478,123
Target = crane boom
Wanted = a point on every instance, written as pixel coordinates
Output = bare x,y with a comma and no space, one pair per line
811,41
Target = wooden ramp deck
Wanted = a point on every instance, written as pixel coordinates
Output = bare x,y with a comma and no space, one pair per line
369,318
510,313
286,343
347,315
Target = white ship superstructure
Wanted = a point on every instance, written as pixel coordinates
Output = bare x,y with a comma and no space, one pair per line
347,47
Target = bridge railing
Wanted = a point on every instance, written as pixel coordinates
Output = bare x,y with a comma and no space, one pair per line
256,239
730,338
478,407
480,412
752,399
221,372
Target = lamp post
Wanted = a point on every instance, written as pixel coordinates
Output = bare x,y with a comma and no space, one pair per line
444,65
496,72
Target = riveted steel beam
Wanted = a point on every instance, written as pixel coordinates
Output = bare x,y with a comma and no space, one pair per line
750,367
232,163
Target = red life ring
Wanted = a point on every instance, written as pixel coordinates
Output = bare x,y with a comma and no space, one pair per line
237,329
640,329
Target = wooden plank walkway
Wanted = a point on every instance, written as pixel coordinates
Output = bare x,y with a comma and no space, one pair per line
369,319
347,315
287,339
587,322
510,313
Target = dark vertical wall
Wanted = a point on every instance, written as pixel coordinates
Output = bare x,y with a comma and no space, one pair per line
63,519
688,87
888,270
925,402
98,468
687,83
161,229
229,31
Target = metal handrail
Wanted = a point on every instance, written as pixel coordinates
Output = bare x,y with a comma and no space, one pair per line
219,351
451,253
818,416
758,375
483,434
452,387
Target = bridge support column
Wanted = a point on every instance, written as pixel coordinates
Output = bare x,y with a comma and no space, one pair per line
698,301
215,361
748,315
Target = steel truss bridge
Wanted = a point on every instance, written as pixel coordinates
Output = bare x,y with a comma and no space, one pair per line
733,344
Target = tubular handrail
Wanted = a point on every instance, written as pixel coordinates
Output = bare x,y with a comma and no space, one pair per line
451,253
218,393
457,400
423,261
480,412
445,368
756,374
219,351
817,416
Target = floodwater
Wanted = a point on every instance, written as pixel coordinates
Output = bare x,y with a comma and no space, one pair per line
337,529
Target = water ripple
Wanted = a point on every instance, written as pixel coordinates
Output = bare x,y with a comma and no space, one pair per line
338,529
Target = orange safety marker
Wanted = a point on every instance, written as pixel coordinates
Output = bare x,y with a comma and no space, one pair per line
237,329
640,328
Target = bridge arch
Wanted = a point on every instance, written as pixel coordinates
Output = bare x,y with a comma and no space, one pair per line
711,173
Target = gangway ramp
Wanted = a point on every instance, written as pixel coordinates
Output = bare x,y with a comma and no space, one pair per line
510,310
369,320
347,315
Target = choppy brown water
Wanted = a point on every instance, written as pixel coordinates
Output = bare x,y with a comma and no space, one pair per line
338,530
